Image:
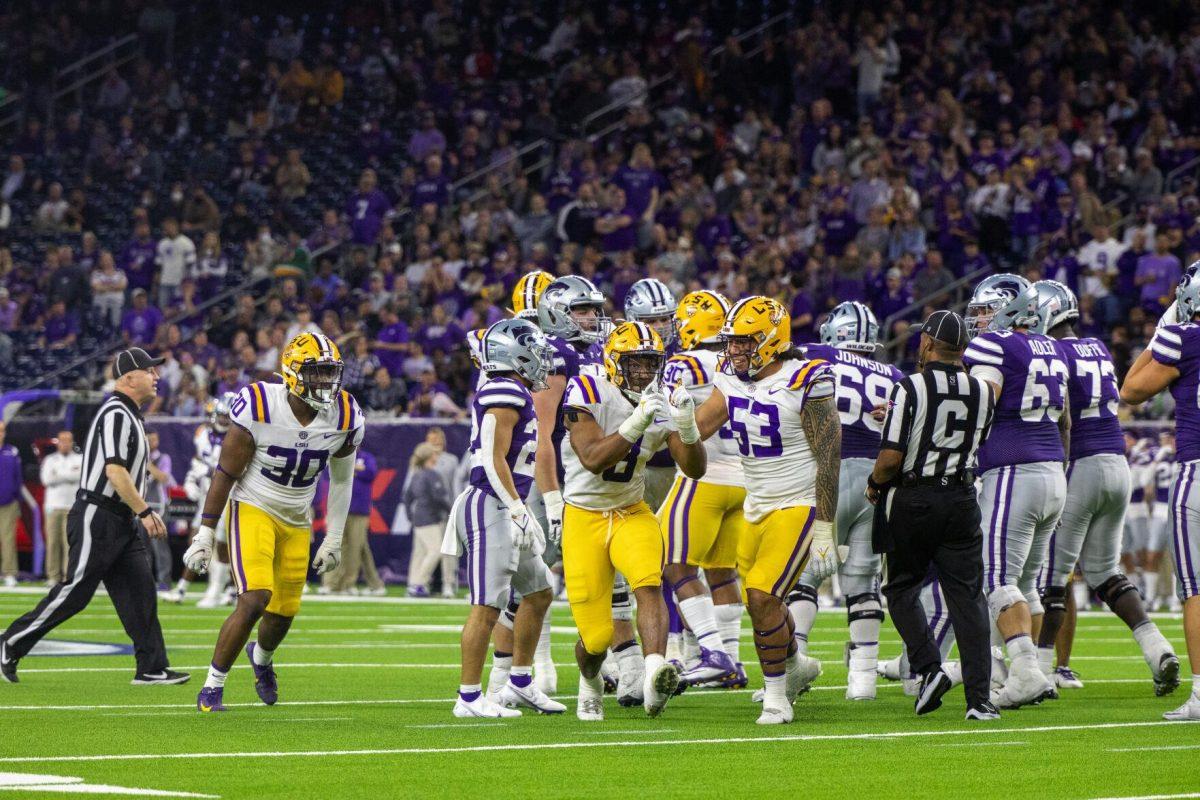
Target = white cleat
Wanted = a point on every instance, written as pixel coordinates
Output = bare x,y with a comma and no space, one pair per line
860,684
1023,687
590,709
912,686
208,601
953,670
801,673
482,707
631,683
776,716
890,669
171,596
529,697
1188,712
659,687
758,695
1065,678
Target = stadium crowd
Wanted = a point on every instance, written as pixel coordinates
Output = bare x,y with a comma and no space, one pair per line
363,175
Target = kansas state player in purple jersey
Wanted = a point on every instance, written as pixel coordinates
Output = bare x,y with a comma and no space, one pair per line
1174,363
849,339
1021,461
502,539
1089,532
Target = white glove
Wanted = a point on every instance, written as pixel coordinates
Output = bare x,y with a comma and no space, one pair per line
823,555
649,406
682,409
329,554
197,556
526,533
554,515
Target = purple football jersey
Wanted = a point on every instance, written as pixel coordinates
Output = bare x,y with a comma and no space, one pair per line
1094,398
1164,471
1033,382
1179,346
505,393
862,384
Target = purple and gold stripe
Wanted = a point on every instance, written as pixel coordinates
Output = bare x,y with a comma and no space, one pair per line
693,364
797,559
808,373
588,387
677,520
260,411
345,412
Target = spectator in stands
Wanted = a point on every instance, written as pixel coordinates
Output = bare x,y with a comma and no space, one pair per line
1157,275
367,209
200,213
139,324
108,289
426,140
386,395
52,213
60,472
60,328
292,177
1145,180
427,498
360,366
174,257
10,509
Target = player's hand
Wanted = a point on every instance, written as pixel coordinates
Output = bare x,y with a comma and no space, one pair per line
329,554
199,553
554,516
154,525
822,552
526,532
649,406
682,409
879,412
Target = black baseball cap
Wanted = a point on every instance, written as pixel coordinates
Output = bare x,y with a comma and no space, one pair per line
948,328
134,358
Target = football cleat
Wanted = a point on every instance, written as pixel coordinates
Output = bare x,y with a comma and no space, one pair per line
802,671
890,669
610,675
175,596
265,683
166,677
983,712
545,675
713,665
737,679
631,683
481,706
772,715
590,709
8,666
929,695
209,699
758,696
860,684
1023,687
999,668
1188,712
1166,677
208,601
659,687
512,696
1065,678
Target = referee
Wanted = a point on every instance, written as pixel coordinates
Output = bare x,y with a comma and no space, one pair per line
927,513
102,534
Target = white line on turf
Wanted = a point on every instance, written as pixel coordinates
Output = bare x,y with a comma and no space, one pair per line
631,732
1151,796
512,747
1154,747
980,744
461,725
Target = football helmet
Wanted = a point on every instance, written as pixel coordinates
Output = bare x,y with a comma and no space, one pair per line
475,345
217,411
1001,303
559,303
1187,296
527,292
651,301
517,345
763,323
1056,304
851,326
699,317
633,358
311,367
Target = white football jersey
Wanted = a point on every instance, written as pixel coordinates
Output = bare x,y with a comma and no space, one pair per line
695,369
624,483
289,457
204,462
764,416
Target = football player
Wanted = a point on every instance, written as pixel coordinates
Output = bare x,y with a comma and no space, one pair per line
1089,532
503,540
702,521
781,411
651,301
849,338
614,424
1139,455
1021,462
283,437
1173,361
1158,476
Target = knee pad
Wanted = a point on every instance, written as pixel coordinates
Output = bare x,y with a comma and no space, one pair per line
622,607
802,592
1113,588
1055,599
1003,598
508,617
853,584
863,607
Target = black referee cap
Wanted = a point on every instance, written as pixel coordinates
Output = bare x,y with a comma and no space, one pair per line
133,359
948,328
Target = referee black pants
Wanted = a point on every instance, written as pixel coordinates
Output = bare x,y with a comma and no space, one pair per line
103,546
939,527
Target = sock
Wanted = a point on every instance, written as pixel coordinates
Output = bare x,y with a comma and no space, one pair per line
1021,649
691,648
520,676
218,575
1150,579
590,687
541,655
216,678
675,646
262,656
1083,595
653,662
775,694
1045,657
1196,685
469,692
729,623
804,614
698,612
183,585
1152,642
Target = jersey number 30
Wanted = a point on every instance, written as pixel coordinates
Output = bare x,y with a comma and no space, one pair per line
299,468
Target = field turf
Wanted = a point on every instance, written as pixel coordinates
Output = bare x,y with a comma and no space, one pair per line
366,689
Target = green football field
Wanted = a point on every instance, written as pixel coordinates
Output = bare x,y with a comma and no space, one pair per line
366,690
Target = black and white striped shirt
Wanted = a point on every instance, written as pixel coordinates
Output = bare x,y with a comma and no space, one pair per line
116,437
938,418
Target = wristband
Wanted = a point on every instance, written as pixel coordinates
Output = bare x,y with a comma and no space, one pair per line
872,483
213,517
147,511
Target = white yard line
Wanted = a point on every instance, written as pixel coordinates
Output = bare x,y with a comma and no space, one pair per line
1154,747
981,744
512,747
1151,796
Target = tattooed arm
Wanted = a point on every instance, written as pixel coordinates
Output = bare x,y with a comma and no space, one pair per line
1064,429
823,429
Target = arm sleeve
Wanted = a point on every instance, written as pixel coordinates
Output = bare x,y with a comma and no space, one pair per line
341,480
899,415
487,459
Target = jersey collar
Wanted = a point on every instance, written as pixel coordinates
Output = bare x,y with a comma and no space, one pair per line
128,402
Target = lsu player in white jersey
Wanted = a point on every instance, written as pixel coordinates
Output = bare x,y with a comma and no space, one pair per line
782,415
702,520
283,437
200,471
614,424
651,301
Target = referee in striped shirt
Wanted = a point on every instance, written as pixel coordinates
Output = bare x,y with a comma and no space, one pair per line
927,513
102,532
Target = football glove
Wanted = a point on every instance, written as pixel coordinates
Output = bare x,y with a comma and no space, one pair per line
329,554
554,515
526,532
682,409
197,556
824,555
649,405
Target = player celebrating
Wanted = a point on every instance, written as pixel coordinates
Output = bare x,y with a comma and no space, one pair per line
1174,362
849,339
1021,461
702,521
503,541
283,437
1097,494
611,432
651,301
784,422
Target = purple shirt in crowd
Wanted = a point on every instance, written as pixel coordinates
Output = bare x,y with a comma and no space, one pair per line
60,327
1165,273
137,259
10,474
639,185
393,360
141,325
366,212
360,496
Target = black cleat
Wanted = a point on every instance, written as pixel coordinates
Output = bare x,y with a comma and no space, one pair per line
984,711
929,693
1167,679
8,666
167,677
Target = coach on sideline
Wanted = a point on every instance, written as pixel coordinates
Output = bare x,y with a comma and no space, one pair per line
102,532
927,512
